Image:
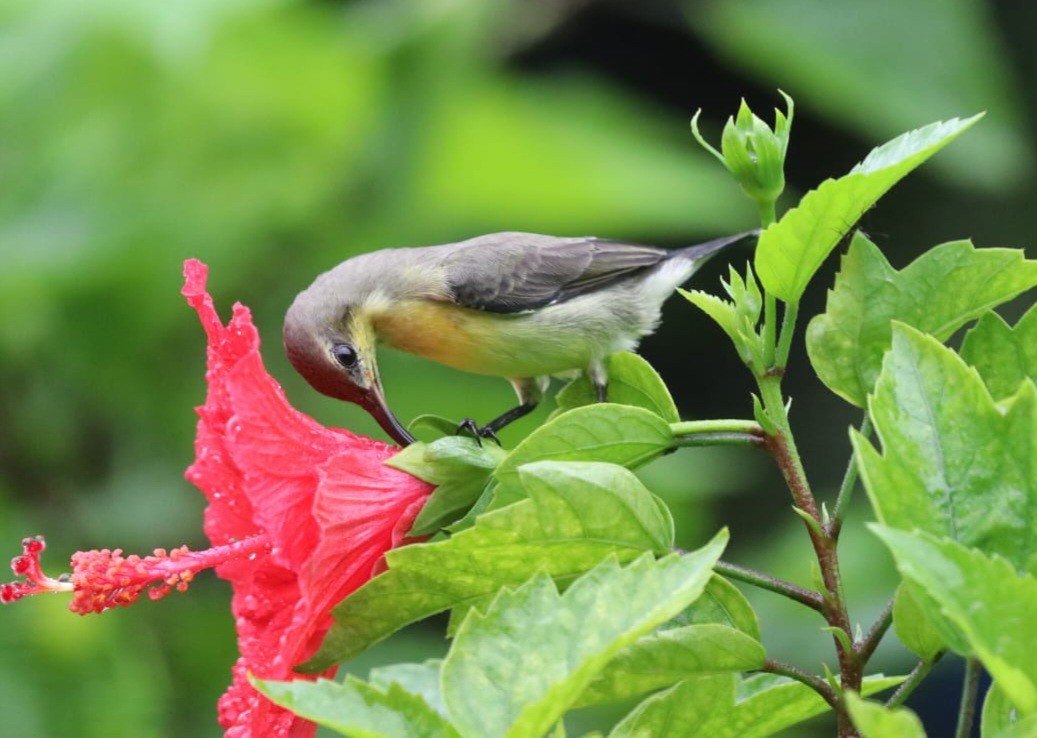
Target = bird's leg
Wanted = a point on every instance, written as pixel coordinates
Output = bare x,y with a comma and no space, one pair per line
599,380
529,390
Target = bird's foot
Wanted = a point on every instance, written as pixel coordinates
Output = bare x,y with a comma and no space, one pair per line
470,426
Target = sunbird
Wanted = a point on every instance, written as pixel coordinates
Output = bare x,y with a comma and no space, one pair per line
522,306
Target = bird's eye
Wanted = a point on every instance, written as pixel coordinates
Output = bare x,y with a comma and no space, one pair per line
344,354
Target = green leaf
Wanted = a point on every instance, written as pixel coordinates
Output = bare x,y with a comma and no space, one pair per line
723,604
914,629
937,293
724,706
875,721
739,317
515,670
358,710
986,599
1003,356
459,467
790,251
581,496
954,463
666,657
1001,720
581,493
631,381
563,529
436,425
421,679
619,434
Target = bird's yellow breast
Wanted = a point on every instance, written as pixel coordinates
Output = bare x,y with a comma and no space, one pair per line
480,342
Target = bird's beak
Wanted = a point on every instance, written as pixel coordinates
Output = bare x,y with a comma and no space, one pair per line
374,403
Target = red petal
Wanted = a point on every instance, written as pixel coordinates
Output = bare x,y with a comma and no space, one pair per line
323,497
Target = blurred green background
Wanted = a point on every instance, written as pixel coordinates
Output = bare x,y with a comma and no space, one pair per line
273,139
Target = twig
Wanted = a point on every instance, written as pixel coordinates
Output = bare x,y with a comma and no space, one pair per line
914,678
781,444
813,681
772,584
969,696
848,484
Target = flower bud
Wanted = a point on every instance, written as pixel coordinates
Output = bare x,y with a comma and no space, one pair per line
754,153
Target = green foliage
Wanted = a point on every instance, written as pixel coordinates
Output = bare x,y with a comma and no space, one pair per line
1003,356
984,597
954,463
421,679
875,721
722,603
574,515
247,131
359,710
459,467
669,656
724,706
1001,719
943,289
738,317
516,669
632,381
618,434
791,250
914,629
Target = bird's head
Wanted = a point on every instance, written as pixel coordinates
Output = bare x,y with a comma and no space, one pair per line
334,350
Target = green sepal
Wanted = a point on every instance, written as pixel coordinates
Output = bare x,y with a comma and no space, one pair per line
459,467
572,516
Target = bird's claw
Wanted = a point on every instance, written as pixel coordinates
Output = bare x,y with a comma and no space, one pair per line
470,426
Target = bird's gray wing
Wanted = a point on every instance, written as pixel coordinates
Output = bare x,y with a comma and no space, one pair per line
515,272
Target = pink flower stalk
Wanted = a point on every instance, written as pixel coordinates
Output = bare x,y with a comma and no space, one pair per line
299,516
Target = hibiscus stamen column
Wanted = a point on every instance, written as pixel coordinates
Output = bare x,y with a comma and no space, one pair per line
105,578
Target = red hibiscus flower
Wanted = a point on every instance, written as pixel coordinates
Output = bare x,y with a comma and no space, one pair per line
299,516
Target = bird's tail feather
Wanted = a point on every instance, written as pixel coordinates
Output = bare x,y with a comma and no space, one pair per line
702,251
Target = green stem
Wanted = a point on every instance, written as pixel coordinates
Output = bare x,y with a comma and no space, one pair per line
969,696
767,212
788,328
771,584
724,425
718,439
723,432
849,482
920,672
813,681
782,446
770,327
